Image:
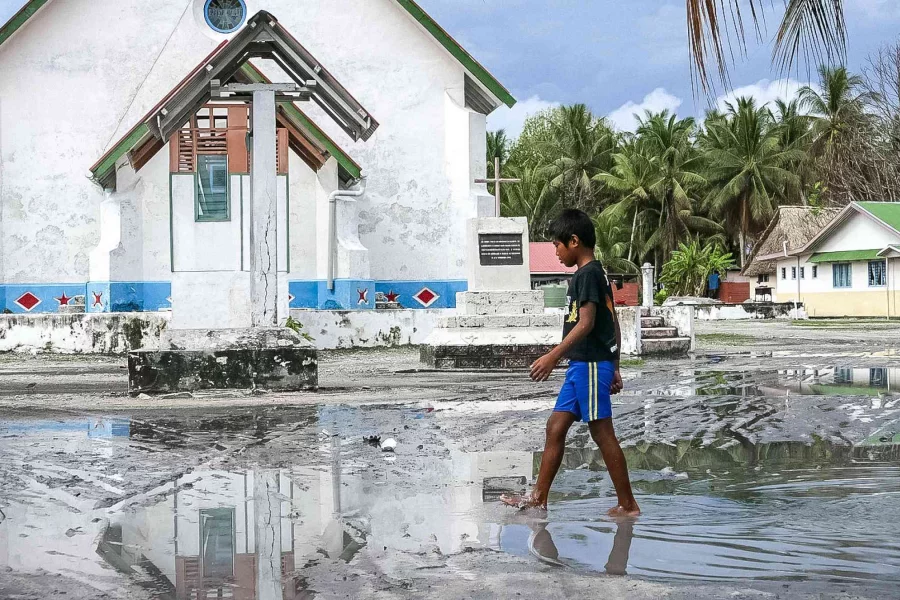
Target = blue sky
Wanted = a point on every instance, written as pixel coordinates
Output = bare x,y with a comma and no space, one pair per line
616,57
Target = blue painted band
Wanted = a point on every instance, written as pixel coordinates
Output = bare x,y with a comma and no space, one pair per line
99,296
138,296
348,293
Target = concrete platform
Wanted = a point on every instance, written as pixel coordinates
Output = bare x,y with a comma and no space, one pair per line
275,359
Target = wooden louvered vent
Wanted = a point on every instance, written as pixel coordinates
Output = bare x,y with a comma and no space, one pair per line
220,130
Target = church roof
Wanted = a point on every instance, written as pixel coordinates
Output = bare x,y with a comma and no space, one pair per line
482,75
19,19
263,37
458,52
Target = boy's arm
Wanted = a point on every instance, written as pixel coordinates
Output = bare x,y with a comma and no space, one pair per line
542,367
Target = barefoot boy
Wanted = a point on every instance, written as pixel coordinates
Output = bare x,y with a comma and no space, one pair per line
591,341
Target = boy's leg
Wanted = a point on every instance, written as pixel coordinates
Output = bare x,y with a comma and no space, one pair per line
605,436
554,448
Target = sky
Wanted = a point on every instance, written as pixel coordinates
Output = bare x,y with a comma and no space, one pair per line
619,58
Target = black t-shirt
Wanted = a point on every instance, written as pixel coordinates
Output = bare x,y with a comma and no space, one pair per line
590,284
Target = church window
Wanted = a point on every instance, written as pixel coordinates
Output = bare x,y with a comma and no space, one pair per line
212,187
225,16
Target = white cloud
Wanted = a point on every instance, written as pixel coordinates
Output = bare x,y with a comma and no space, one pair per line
764,90
513,119
875,10
658,100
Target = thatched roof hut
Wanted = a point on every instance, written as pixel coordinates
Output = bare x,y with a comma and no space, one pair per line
795,225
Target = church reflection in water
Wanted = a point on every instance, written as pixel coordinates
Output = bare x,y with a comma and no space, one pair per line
213,533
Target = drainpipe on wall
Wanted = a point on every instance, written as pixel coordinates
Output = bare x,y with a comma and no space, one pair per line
347,196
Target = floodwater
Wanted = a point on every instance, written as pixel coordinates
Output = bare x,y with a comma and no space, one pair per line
829,381
725,509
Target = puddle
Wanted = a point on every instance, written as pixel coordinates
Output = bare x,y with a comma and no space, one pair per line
829,381
722,511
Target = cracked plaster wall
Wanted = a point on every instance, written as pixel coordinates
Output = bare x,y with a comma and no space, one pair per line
96,82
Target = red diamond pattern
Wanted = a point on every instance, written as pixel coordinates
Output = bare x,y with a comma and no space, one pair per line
28,301
426,297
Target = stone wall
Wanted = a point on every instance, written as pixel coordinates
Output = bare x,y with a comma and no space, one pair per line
115,333
737,312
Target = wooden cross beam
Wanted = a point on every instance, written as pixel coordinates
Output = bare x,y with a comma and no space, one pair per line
497,180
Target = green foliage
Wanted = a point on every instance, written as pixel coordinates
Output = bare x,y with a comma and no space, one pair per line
660,296
297,327
674,182
687,271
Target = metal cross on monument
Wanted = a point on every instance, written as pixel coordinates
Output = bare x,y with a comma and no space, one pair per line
497,180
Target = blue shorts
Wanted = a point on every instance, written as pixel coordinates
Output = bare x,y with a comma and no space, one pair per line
585,392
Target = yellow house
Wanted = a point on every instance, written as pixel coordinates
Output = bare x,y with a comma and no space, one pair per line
850,268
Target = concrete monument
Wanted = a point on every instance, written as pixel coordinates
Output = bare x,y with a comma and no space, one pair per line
500,321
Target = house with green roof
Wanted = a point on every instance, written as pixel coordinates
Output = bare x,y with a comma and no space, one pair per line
851,267
123,168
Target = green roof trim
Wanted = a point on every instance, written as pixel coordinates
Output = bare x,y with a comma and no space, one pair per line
19,19
347,163
845,256
109,159
458,52
887,212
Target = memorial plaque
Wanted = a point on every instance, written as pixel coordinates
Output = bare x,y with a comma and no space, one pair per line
500,249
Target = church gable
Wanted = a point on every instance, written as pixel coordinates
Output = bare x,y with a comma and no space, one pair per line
263,37
482,95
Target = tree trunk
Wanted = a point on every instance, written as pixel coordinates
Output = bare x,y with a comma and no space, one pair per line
743,232
633,229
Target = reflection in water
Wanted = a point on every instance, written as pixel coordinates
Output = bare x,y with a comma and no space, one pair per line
724,509
831,381
541,546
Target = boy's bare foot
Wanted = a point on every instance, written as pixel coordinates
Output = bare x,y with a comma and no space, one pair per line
620,511
522,502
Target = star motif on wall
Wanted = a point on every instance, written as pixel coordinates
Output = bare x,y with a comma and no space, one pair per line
98,298
63,300
363,296
392,296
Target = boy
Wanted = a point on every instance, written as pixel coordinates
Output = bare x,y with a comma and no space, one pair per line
591,340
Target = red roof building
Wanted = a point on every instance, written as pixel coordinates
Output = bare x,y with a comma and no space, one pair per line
544,262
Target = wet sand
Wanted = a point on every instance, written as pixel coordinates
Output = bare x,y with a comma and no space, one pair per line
767,465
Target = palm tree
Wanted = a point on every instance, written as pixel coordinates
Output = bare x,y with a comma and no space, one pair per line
839,128
748,167
497,147
612,243
631,175
677,174
794,133
837,108
533,198
582,146
812,28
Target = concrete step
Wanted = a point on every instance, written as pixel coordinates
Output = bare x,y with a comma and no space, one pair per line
651,333
645,312
666,346
501,321
652,322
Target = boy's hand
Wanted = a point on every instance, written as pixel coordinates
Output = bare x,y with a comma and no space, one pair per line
616,385
542,367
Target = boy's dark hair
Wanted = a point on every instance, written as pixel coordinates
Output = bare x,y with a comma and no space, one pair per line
573,222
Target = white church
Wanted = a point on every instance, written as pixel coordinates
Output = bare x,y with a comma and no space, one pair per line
125,182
